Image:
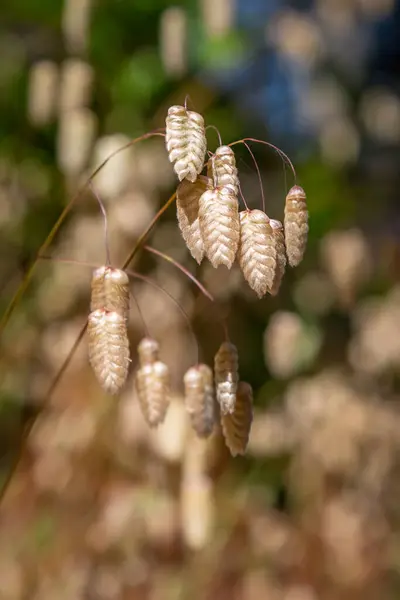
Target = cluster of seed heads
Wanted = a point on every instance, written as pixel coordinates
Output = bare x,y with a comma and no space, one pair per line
208,210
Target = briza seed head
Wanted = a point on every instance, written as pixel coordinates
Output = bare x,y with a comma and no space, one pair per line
186,142
222,168
296,225
98,299
199,399
110,290
226,370
152,385
108,349
187,209
279,238
257,251
148,351
236,426
219,226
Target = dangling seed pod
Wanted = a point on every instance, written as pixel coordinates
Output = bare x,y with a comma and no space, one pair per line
108,349
257,251
199,399
219,226
226,376
236,426
277,229
148,351
187,209
296,225
186,142
222,168
110,290
152,385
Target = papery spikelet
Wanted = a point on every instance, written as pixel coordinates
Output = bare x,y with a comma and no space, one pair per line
257,251
110,290
185,138
279,238
296,225
236,426
108,349
98,297
226,376
222,168
148,351
199,399
187,210
219,226
152,384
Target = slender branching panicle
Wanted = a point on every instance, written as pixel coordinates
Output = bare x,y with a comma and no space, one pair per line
110,290
186,142
236,426
108,349
296,225
152,385
226,370
279,239
219,226
187,209
222,168
257,251
148,351
199,399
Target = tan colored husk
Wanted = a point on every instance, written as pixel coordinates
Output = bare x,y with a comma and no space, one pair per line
219,226
148,351
108,349
226,372
236,426
257,253
279,238
98,298
186,142
152,384
222,168
296,225
110,290
187,210
199,399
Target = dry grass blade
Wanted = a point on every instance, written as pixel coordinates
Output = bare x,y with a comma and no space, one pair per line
279,238
236,426
222,168
296,225
152,385
187,210
226,370
186,142
199,399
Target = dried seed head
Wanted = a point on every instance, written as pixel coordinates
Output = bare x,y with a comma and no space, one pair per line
187,209
152,384
199,399
257,251
148,351
222,168
296,225
108,349
186,142
279,239
219,226
226,376
110,290
98,299
236,426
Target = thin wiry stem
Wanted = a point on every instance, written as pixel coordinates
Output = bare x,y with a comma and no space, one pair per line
242,195
103,210
258,174
136,301
29,274
218,133
278,150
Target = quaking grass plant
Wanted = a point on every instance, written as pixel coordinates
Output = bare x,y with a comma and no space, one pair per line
214,228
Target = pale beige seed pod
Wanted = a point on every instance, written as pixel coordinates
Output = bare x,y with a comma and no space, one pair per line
226,370
110,290
219,226
152,384
279,239
199,399
222,168
148,351
109,349
296,225
236,426
188,195
257,251
186,142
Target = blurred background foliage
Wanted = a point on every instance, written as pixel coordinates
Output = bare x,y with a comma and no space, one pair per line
98,506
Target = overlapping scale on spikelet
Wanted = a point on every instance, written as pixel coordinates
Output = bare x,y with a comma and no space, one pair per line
148,351
279,238
222,168
110,290
188,196
186,142
219,226
152,385
226,372
296,225
199,399
236,426
257,251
